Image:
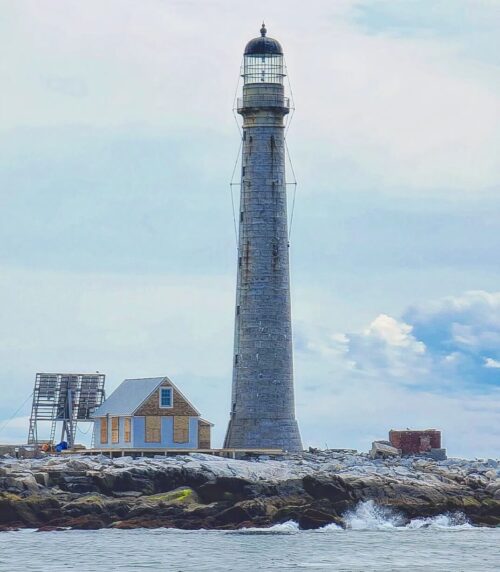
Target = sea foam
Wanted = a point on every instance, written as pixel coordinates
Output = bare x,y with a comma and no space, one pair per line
289,527
370,516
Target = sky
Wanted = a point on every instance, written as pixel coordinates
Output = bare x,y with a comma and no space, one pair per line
117,246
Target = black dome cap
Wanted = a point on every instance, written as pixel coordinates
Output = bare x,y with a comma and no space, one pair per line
263,45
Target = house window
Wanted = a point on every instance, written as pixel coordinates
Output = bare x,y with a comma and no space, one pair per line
153,429
104,430
115,429
127,433
166,395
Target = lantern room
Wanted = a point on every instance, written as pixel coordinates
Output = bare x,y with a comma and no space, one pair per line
263,60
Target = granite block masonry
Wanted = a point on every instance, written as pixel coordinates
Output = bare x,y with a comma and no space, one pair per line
262,404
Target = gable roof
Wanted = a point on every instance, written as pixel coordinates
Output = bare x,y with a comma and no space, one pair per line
131,394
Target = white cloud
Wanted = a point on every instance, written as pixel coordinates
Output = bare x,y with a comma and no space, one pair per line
470,321
387,345
491,363
389,111
395,374
394,333
448,340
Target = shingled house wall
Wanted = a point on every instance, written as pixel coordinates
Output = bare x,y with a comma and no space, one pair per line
204,430
180,406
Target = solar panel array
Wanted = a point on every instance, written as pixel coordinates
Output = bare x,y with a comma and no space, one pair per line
67,397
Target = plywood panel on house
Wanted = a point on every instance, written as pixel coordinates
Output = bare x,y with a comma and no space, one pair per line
153,429
104,430
115,429
181,429
127,430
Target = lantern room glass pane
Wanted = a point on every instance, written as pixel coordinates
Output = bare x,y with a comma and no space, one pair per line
263,68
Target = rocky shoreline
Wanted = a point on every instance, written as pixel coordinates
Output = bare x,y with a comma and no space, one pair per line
204,492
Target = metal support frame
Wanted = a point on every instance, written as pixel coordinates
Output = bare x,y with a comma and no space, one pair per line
67,398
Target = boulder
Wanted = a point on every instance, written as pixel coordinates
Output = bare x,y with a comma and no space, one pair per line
333,488
21,482
87,522
381,450
312,518
32,511
259,508
225,488
77,484
233,516
127,494
437,454
42,479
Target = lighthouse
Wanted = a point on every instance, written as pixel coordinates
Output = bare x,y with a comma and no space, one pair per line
262,402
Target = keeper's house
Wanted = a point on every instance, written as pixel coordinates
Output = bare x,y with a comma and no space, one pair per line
149,413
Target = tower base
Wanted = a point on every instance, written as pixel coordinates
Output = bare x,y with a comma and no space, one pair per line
251,433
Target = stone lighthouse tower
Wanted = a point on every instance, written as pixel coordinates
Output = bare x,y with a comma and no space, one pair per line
262,404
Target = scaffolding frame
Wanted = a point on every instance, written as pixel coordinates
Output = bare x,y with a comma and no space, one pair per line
66,398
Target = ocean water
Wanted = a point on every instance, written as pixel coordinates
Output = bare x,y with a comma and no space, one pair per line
374,540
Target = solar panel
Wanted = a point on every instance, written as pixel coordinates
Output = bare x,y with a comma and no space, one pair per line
48,385
89,397
66,398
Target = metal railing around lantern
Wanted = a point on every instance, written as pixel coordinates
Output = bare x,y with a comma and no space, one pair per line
263,100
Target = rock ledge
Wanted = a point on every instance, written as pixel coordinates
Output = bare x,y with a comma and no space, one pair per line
200,491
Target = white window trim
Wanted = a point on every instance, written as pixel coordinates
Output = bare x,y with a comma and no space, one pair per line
171,400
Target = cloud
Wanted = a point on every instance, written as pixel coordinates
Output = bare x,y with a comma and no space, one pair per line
386,344
399,112
492,363
73,87
469,320
451,342
427,369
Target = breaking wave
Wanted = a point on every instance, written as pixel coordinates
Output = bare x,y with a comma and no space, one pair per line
329,528
456,521
289,527
369,516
